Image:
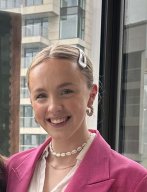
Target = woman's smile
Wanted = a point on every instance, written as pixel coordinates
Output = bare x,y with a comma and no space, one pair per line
58,122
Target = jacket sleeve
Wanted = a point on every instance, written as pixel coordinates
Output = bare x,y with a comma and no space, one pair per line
142,185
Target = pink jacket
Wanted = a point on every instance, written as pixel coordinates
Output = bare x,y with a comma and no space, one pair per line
102,170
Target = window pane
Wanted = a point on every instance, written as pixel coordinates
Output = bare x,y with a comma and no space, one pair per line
133,115
26,111
37,27
24,93
10,4
29,53
29,27
82,4
45,27
3,4
38,2
81,25
29,2
69,3
31,140
17,3
68,26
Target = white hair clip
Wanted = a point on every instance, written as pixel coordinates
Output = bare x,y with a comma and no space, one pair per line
82,58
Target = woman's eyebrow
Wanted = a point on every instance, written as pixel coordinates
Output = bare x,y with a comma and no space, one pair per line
66,84
38,90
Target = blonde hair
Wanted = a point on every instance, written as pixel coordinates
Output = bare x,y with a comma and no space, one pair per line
68,52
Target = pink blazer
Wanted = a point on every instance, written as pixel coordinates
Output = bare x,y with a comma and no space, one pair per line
102,170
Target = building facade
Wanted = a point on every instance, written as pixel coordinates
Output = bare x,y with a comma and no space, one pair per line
45,22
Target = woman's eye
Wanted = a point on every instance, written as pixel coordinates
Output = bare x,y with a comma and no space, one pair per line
40,96
66,91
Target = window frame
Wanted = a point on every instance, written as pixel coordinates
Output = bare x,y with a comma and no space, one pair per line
110,69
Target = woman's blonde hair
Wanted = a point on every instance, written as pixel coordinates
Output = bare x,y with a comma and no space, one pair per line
69,52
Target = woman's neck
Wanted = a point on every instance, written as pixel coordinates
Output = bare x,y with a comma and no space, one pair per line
70,144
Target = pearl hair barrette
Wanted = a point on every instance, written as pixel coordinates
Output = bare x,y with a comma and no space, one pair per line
63,154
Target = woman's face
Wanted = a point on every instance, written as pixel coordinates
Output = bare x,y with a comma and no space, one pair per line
59,97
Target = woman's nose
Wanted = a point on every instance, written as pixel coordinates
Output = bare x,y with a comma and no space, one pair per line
54,105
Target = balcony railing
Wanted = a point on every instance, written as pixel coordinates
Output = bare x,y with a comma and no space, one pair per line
35,30
28,122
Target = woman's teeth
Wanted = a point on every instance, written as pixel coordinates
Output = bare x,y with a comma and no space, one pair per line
57,121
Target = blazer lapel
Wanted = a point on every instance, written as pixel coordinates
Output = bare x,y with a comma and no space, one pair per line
23,172
93,172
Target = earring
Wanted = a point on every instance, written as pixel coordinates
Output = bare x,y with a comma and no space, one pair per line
90,111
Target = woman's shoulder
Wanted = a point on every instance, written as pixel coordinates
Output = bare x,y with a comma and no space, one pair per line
119,162
29,154
127,170
19,156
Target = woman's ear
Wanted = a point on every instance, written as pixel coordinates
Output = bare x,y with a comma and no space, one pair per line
92,95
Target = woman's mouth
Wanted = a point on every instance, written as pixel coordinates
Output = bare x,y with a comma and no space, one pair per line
58,121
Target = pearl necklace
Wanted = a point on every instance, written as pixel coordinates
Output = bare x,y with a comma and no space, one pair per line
63,154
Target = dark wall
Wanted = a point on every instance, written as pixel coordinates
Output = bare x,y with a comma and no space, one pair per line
10,49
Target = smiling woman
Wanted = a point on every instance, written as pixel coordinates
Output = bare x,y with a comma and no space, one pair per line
62,93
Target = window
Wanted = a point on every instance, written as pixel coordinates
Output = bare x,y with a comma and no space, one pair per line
36,27
10,4
29,53
45,27
26,117
4,4
31,140
24,92
68,26
72,19
133,127
123,69
33,2
69,3
17,3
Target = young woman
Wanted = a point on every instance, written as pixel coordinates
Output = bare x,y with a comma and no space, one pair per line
74,158
2,175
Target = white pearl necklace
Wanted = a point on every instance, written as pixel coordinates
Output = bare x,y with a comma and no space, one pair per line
63,154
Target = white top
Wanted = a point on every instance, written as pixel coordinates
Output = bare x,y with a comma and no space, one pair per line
37,181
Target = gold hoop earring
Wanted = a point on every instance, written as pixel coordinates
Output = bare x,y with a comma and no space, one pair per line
90,111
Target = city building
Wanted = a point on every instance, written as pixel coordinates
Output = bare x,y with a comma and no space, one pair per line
45,22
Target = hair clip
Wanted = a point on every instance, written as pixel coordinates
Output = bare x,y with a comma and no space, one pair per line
82,59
